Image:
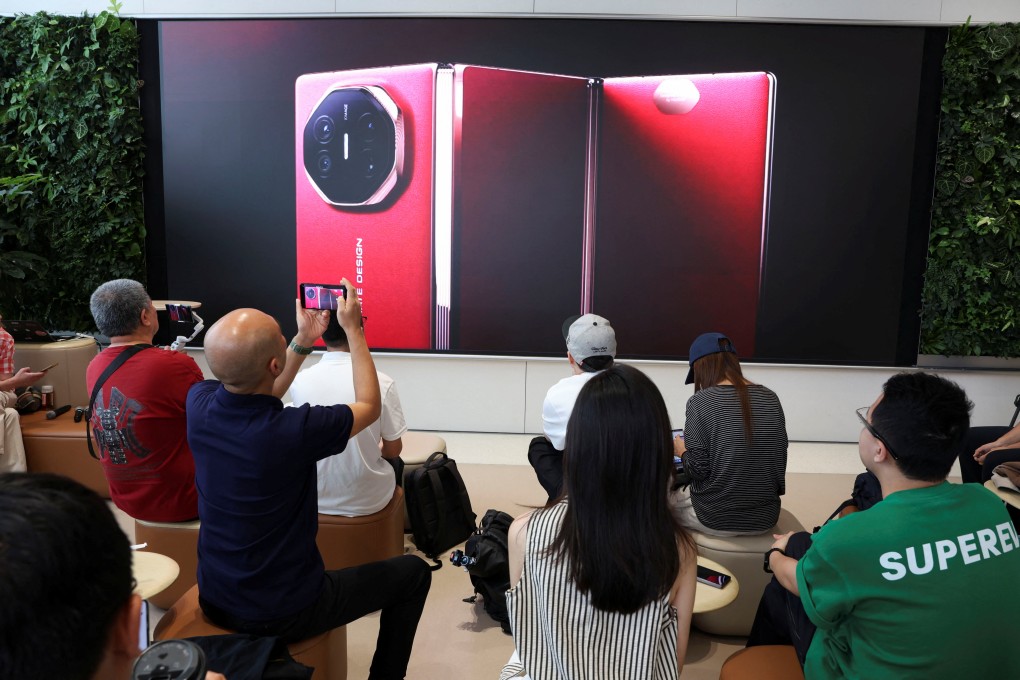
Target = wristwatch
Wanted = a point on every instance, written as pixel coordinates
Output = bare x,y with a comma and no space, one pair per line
298,349
768,553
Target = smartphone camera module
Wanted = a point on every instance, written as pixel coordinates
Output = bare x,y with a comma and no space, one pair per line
353,146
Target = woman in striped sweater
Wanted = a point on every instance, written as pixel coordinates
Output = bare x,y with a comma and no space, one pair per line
602,580
733,446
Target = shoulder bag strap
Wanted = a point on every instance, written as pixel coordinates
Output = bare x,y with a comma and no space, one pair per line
114,365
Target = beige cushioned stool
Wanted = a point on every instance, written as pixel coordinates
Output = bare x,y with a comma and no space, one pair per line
178,540
326,653
350,541
742,555
767,662
59,446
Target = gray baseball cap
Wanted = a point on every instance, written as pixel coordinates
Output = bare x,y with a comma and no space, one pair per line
589,336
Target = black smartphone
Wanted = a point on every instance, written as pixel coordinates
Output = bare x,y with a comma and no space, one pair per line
678,462
711,577
321,295
177,659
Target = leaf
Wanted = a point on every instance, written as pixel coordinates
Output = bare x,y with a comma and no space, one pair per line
984,153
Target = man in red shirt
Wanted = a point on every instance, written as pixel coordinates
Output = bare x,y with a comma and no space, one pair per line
138,416
12,450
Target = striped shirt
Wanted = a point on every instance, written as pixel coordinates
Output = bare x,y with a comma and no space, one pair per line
6,353
559,635
735,484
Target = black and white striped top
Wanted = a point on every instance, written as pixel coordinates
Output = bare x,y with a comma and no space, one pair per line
735,484
559,635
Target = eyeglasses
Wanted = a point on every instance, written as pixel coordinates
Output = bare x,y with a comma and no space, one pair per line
862,414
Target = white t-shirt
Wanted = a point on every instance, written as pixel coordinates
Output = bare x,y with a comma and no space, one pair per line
356,481
558,405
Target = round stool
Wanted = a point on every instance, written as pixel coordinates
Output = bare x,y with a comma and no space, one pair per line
326,653
767,662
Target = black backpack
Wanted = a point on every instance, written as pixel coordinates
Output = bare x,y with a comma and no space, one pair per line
487,561
438,506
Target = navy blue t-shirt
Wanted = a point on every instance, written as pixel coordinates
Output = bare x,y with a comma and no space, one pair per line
255,475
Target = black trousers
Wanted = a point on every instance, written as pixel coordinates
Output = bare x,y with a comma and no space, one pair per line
548,464
970,469
398,587
781,619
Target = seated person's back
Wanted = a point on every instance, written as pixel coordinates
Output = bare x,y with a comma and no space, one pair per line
734,446
138,418
260,571
360,480
918,585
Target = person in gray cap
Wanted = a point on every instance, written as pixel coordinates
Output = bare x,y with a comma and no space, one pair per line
591,347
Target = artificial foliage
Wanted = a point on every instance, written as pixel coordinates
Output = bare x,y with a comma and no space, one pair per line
972,292
70,163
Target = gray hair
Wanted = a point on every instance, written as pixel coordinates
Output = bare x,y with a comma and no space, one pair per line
117,305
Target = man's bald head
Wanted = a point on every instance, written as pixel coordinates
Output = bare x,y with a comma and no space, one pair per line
241,347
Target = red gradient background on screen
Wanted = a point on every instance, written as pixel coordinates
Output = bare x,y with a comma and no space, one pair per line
680,222
519,182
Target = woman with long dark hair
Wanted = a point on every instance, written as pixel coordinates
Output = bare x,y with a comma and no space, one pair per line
733,446
603,579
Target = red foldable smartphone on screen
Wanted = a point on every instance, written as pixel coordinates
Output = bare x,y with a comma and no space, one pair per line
474,205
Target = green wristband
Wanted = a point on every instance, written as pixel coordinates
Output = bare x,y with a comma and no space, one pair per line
298,349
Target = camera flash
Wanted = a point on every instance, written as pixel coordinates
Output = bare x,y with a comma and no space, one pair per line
347,138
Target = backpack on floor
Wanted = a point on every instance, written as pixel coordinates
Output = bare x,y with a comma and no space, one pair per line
438,506
487,561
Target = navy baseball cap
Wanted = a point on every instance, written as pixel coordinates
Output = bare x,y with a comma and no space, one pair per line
703,345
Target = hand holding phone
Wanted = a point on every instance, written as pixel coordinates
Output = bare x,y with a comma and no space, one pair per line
55,363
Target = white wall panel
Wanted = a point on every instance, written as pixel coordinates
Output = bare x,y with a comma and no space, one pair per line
997,11
67,7
485,394
496,394
922,11
667,8
200,8
455,7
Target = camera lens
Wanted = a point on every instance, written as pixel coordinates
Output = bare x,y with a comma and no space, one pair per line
368,123
324,129
324,163
368,163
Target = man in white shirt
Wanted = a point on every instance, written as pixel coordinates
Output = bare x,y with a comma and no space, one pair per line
359,480
591,347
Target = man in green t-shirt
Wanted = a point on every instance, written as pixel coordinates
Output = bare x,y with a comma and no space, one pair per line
917,586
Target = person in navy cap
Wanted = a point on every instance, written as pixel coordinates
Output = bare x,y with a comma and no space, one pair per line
733,447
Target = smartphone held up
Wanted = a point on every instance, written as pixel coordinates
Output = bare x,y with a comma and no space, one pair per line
322,295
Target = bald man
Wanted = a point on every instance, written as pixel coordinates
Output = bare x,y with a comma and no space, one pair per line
260,571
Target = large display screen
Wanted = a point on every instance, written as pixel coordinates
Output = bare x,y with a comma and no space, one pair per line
481,180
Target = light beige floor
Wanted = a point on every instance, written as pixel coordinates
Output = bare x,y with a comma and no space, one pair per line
458,640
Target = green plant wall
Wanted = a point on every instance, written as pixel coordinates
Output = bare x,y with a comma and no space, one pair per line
69,112
971,293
